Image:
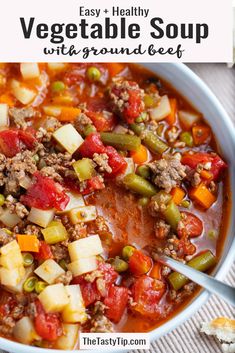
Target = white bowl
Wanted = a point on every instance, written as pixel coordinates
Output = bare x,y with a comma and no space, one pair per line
199,95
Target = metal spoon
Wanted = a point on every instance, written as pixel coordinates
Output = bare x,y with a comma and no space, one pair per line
208,282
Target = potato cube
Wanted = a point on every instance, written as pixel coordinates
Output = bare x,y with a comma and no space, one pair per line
4,119
75,200
82,214
24,331
13,246
84,265
49,270
70,337
41,217
12,260
75,310
18,288
85,247
9,219
129,169
161,111
57,66
22,93
54,298
29,70
68,137
11,277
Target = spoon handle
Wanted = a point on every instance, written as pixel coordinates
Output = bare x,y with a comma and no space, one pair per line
209,283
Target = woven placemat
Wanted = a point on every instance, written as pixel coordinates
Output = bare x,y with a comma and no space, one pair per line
187,337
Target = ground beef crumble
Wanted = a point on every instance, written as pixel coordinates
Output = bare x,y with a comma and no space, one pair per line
100,323
168,172
20,114
102,161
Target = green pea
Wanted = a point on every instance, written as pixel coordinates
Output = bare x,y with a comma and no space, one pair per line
57,86
143,171
185,203
2,199
119,265
89,129
93,73
187,138
29,284
28,259
143,201
63,264
40,286
36,158
127,252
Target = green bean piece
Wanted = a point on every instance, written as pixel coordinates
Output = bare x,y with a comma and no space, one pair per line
28,259
40,286
152,141
187,138
57,86
119,265
172,215
143,171
84,168
93,74
121,141
141,118
139,185
29,284
2,199
63,264
89,129
127,252
143,201
202,262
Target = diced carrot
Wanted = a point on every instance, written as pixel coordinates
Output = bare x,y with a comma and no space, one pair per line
177,195
156,271
115,68
201,133
205,174
68,114
28,242
7,99
141,155
171,118
202,195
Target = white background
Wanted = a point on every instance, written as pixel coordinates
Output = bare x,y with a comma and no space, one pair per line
216,13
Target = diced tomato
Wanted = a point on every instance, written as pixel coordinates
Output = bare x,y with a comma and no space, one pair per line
47,326
116,162
116,302
139,263
28,138
91,145
135,106
147,293
9,142
185,247
45,252
45,194
217,164
89,290
93,184
192,225
102,121
109,274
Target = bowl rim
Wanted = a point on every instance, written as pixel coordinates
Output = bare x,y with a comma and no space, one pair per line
201,298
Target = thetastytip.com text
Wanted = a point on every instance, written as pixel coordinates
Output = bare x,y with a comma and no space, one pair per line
112,341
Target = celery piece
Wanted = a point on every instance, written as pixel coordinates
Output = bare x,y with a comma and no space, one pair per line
84,168
139,185
121,141
172,215
201,263
55,233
